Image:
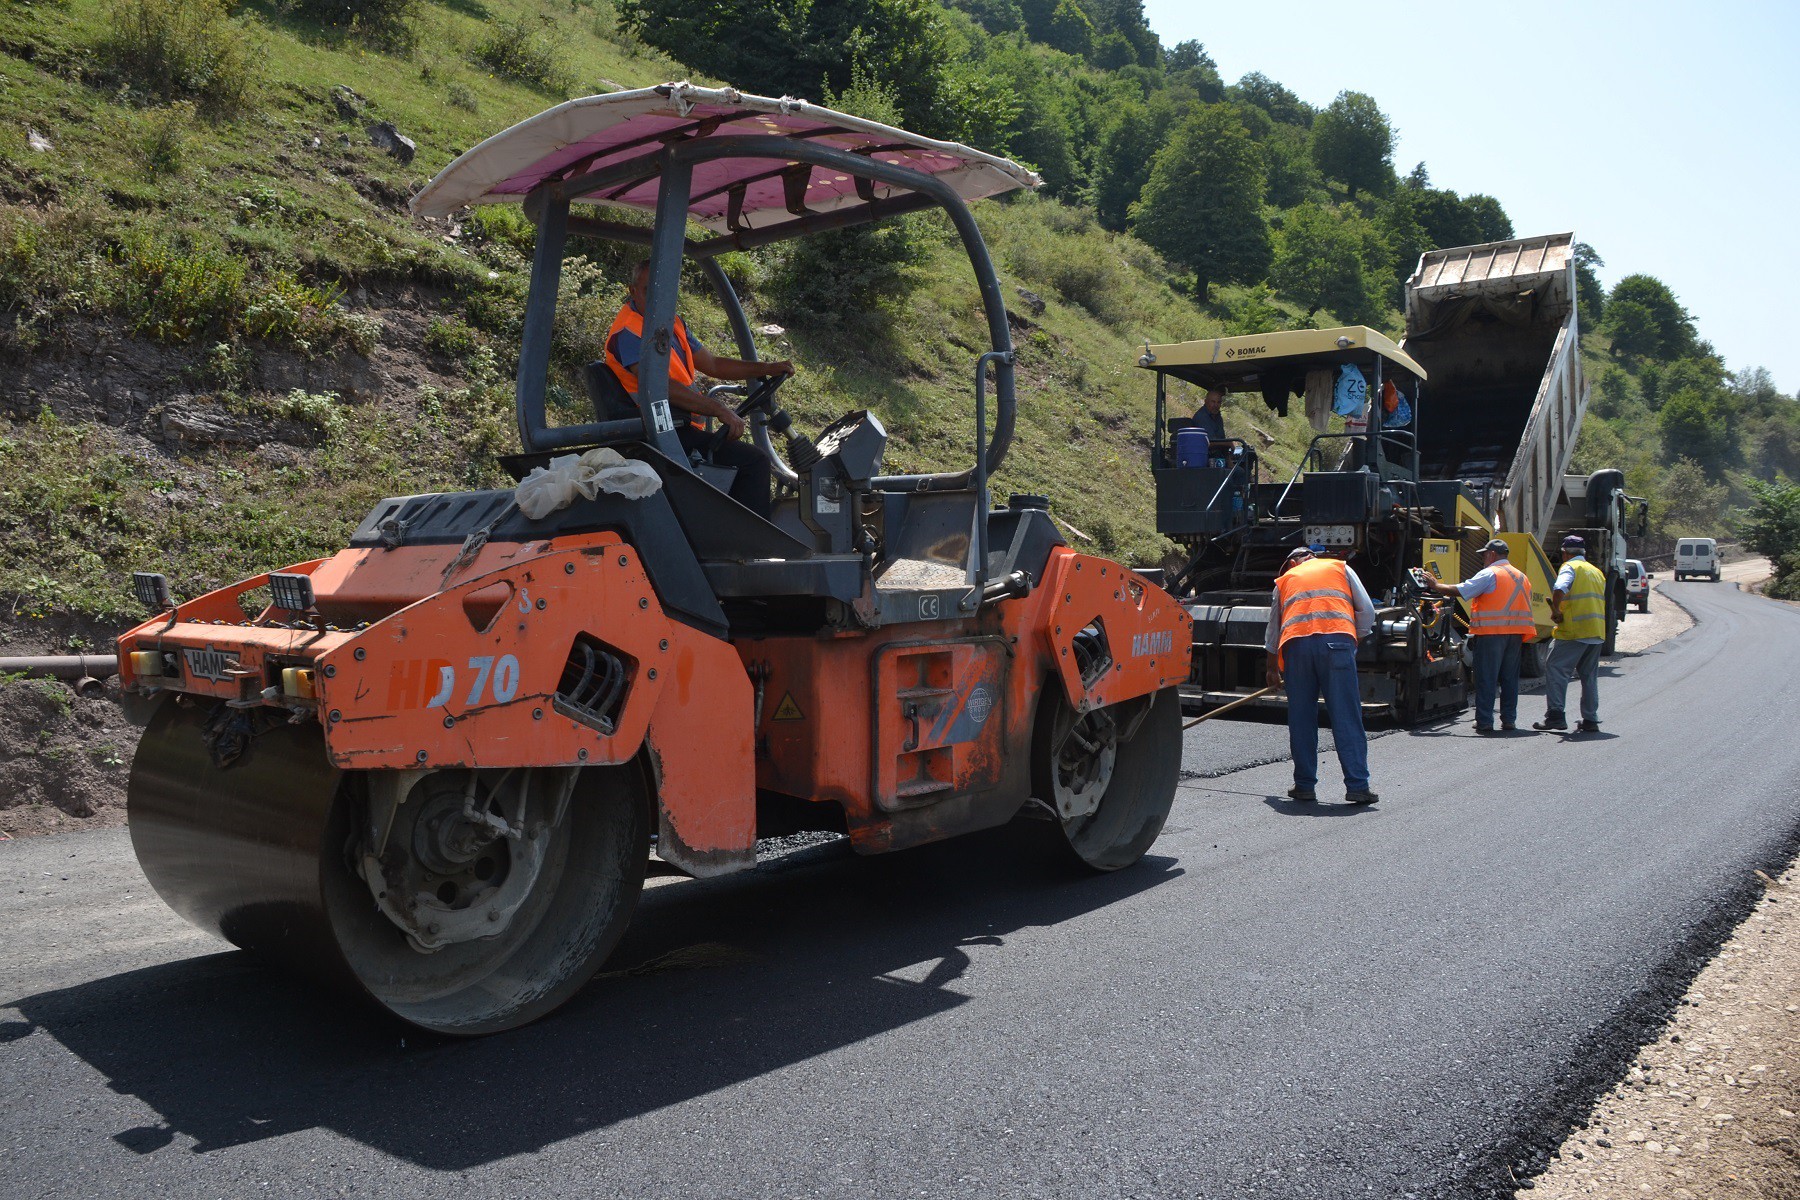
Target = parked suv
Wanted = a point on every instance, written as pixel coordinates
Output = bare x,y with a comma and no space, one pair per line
1697,557
1637,585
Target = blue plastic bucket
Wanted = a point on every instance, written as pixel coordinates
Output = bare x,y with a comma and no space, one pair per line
1190,447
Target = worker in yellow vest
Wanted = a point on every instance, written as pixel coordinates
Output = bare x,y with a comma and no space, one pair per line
1500,624
688,359
1317,614
1578,605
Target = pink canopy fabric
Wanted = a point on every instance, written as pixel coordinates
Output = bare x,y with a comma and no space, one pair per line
585,135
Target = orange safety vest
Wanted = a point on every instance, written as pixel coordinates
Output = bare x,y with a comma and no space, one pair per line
1315,598
681,355
1506,609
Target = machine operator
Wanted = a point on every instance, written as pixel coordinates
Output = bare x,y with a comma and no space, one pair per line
689,358
1210,415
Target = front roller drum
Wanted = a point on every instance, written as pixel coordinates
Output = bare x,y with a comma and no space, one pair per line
461,901
1109,775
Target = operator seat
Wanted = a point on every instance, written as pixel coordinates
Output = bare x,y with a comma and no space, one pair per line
610,399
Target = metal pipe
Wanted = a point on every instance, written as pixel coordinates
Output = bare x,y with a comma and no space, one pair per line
666,246
540,317
61,666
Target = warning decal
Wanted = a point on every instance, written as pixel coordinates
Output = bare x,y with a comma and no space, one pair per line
787,710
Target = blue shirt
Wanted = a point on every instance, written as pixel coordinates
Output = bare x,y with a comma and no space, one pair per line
1479,584
1212,423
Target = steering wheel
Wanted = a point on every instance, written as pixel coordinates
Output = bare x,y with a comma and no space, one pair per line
760,396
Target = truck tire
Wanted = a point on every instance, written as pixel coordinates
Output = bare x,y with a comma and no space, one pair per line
1600,488
1532,656
1611,645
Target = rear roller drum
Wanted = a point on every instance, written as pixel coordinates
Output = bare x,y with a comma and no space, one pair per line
1108,775
462,901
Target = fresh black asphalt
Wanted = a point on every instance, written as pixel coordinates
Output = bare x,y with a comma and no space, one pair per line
1280,1001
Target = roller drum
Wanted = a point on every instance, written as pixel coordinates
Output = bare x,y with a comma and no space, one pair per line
272,848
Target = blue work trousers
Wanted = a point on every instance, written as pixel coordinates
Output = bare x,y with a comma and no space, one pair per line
1324,664
1580,660
1496,671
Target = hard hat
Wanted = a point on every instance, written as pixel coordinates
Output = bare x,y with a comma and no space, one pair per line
1497,547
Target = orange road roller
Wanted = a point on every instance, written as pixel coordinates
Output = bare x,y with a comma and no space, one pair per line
433,766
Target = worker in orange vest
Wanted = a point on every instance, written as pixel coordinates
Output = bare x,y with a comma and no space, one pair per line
1318,612
1500,624
688,358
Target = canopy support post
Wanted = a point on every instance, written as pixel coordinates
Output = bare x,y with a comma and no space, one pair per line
540,316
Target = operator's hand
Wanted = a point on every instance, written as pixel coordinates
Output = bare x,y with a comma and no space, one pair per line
1272,676
772,369
734,425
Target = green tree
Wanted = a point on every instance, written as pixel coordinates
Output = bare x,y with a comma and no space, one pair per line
1069,29
1332,257
1281,104
995,16
1696,424
1040,132
1491,222
1655,325
1292,176
1613,393
1590,297
1185,56
1771,527
1122,166
786,48
1633,330
1202,206
1688,504
1406,235
1353,143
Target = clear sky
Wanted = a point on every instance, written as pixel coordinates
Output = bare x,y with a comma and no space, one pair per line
1667,136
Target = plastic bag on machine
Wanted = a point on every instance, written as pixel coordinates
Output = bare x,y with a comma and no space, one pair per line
556,486
1396,410
1351,393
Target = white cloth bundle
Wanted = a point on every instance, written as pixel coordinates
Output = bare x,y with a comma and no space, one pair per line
550,488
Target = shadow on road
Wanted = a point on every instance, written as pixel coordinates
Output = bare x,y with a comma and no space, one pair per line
1322,807
815,957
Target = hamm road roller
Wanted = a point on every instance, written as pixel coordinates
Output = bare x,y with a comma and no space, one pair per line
432,767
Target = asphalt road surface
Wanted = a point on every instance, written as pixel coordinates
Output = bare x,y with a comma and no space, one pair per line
1281,1001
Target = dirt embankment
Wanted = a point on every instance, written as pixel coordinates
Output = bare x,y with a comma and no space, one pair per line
64,757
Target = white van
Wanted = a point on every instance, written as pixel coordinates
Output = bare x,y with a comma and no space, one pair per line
1695,557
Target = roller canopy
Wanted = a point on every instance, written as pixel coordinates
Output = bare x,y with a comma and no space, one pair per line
577,139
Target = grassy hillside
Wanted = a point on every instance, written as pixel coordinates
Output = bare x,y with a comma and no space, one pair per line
226,338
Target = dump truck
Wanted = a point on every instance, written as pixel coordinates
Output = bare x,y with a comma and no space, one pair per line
431,767
1496,326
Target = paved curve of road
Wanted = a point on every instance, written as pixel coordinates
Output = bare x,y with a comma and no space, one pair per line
1281,1001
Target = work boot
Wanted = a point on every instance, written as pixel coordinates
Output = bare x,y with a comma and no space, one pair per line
1303,795
1484,729
1509,726
1361,798
1587,727
1551,722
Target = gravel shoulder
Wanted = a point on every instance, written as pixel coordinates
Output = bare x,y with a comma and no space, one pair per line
1707,1111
